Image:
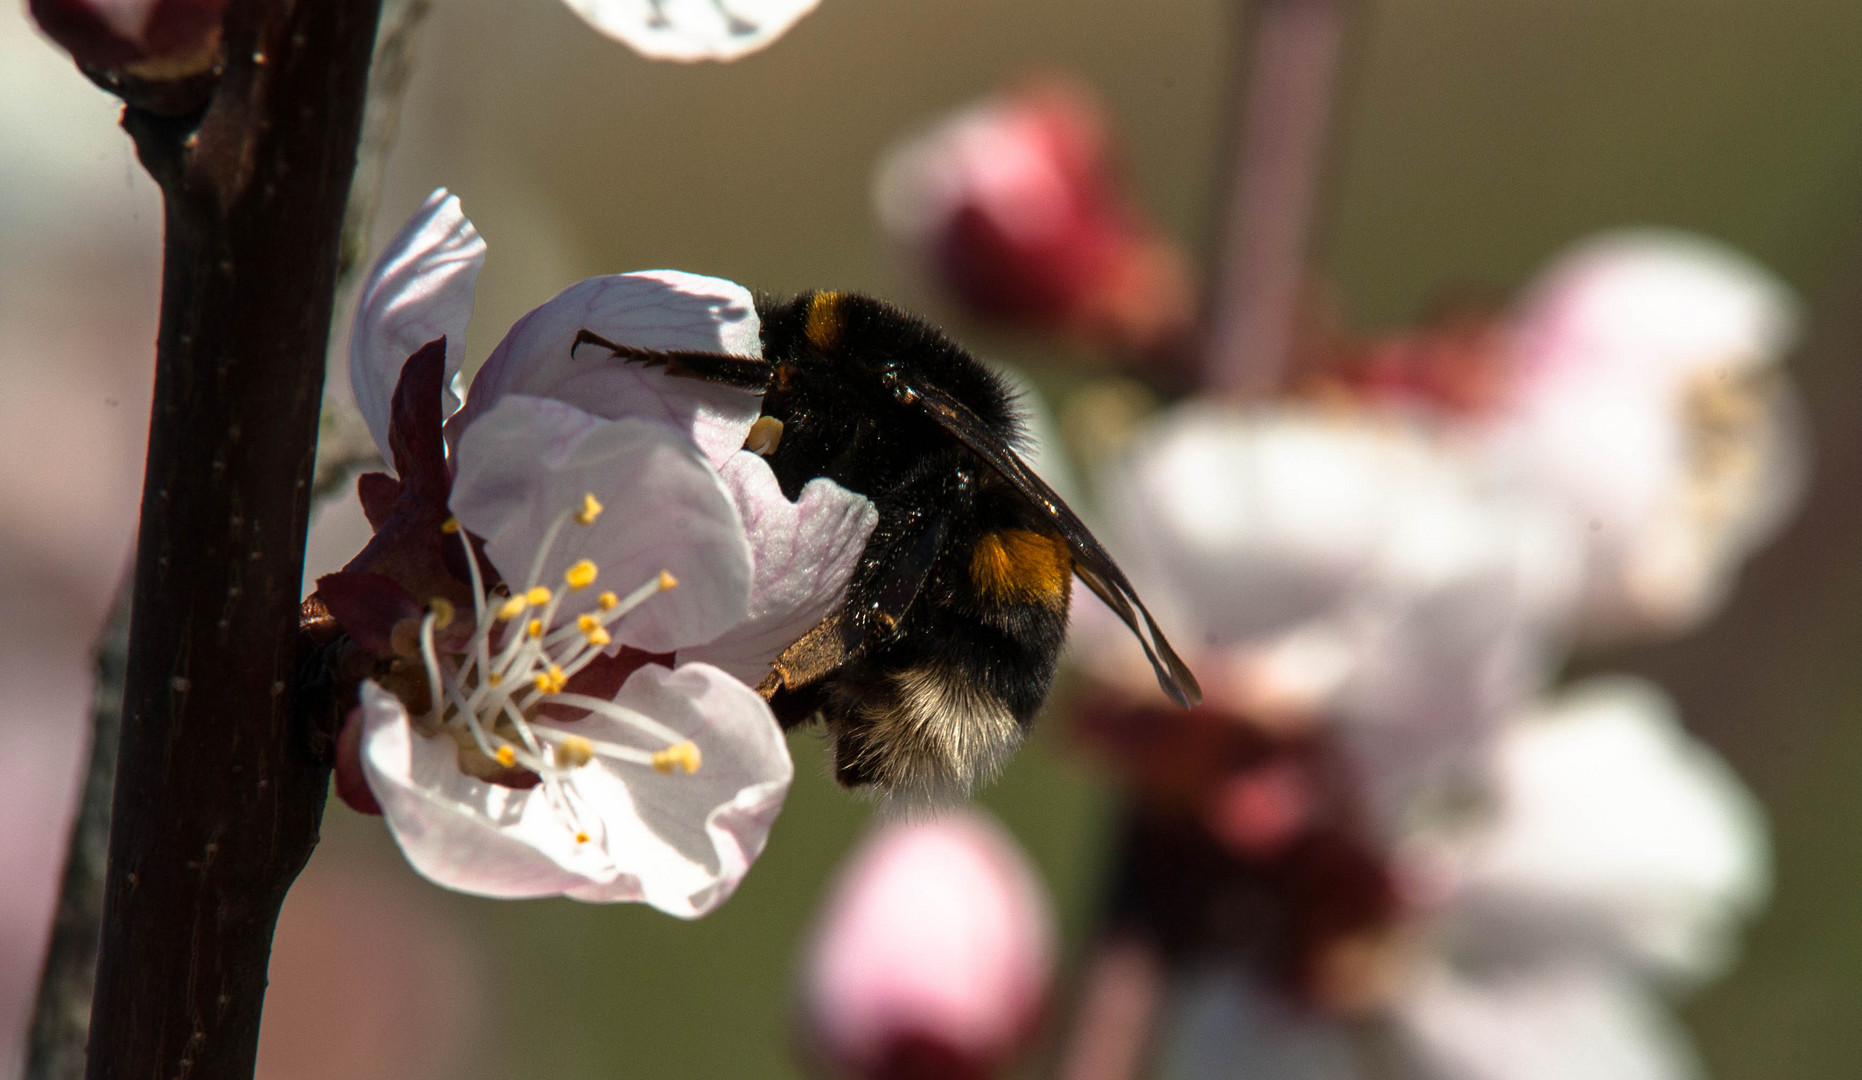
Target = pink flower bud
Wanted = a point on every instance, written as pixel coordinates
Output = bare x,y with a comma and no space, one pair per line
933,956
150,39
1016,207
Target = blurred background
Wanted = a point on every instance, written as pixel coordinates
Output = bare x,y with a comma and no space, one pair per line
1477,138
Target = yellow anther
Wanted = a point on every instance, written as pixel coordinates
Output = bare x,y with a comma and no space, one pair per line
538,596
574,751
449,526
535,629
580,576
507,757
599,636
608,601
512,608
765,435
493,679
592,629
590,510
667,581
442,610
581,838
683,755
551,681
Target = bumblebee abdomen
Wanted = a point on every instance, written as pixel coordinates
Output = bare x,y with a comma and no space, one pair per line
1017,566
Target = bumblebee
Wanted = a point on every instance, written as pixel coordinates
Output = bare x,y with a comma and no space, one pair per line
929,673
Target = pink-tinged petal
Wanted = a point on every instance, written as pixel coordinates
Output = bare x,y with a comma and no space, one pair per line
680,842
525,462
694,835
420,289
690,30
657,309
1571,1022
460,832
805,553
937,939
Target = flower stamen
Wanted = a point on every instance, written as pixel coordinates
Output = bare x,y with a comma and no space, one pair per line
514,662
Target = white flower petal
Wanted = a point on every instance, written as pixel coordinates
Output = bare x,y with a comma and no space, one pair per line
1249,522
1617,834
528,459
420,288
1569,1023
678,842
697,834
463,833
690,30
805,553
658,309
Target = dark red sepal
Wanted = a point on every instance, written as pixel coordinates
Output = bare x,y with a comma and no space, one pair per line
368,607
351,785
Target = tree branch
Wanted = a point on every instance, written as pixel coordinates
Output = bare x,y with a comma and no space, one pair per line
219,792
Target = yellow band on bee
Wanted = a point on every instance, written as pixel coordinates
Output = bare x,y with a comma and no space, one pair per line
1020,566
824,320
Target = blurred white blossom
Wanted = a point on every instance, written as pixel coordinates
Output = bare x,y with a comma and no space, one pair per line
1651,403
1614,862
690,30
1319,566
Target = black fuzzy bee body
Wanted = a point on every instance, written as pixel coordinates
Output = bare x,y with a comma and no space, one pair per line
929,673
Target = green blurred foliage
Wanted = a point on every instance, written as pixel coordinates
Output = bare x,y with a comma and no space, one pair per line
1479,137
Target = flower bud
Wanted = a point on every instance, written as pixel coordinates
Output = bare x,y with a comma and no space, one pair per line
148,39
1016,208
933,956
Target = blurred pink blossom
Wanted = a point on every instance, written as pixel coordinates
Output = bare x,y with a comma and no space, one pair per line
932,956
1016,207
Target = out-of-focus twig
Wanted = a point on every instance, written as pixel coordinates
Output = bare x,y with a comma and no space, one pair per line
1287,76
344,445
61,1019
1287,96
61,1015
1120,996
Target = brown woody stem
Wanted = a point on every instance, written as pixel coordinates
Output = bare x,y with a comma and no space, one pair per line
219,790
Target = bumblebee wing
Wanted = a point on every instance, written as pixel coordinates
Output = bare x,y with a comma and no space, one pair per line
1091,562
751,373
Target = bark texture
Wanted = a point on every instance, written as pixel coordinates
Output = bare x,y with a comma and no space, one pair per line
219,788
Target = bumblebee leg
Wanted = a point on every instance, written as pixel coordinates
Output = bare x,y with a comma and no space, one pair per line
743,372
